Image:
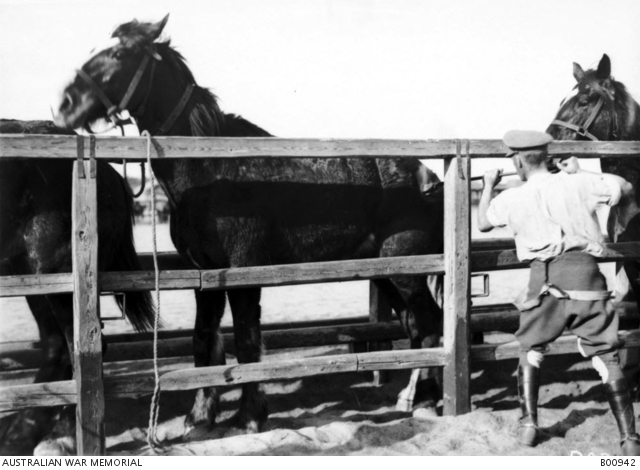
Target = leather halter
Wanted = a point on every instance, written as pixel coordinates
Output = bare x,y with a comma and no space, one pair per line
114,110
583,130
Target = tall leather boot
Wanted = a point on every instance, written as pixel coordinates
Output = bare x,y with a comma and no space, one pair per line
528,385
622,407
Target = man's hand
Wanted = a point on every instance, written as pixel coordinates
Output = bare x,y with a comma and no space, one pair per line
569,165
492,178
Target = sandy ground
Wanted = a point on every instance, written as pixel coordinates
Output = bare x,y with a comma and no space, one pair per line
346,415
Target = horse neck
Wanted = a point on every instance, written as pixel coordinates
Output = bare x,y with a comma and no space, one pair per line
163,99
625,115
167,90
631,129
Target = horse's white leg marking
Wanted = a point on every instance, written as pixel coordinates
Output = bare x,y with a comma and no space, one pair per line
406,396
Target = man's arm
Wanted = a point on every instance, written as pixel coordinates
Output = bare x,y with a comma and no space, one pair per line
491,179
571,165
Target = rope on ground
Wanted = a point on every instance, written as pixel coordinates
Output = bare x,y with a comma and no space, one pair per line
155,399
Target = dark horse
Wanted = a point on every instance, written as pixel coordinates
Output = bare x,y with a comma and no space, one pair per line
601,108
35,238
257,211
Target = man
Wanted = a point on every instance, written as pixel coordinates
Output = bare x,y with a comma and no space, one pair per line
553,218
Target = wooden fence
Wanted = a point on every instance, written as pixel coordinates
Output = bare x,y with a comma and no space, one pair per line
88,390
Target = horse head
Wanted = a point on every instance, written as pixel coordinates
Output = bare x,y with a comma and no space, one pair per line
600,108
111,81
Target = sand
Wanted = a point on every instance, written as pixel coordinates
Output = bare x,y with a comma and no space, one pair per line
346,415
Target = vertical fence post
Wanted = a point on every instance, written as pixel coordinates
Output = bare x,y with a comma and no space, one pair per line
457,245
87,351
379,311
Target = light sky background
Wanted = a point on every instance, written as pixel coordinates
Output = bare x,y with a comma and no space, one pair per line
343,68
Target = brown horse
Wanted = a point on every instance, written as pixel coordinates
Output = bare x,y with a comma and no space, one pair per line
35,238
601,108
258,211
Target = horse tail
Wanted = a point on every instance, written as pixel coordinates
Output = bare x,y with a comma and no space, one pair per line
138,306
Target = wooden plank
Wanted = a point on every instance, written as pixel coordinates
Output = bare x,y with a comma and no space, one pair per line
487,258
494,260
87,354
27,354
263,372
64,393
379,311
113,148
582,149
277,275
194,378
21,355
400,360
457,286
127,281
330,271
23,397
563,345
15,286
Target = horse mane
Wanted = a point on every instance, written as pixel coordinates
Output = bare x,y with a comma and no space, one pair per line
628,112
205,118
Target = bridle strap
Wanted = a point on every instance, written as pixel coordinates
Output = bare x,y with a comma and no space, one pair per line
96,89
134,83
143,106
112,109
177,111
584,129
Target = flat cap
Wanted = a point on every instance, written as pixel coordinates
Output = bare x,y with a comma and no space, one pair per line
525,140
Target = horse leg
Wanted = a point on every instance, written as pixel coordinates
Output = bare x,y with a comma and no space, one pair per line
245,307
62,439
420,316
28,427
208,350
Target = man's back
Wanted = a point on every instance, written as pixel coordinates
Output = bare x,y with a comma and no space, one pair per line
555,213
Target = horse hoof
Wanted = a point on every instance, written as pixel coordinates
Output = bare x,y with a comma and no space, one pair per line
196,432
203,414
404,405
251,427
425,413
56,447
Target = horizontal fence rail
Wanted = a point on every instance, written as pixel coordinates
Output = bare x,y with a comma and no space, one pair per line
134,148
27,355
63,393
285,275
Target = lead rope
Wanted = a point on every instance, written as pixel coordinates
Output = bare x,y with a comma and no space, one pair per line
155,399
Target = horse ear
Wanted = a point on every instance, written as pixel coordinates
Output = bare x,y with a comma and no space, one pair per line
604,67
578,73
157,28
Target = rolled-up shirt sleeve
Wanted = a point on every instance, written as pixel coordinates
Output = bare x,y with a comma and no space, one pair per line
605,191
498,211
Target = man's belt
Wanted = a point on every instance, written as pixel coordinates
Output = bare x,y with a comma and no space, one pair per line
550,289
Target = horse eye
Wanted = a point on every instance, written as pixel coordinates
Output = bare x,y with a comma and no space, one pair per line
117,54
